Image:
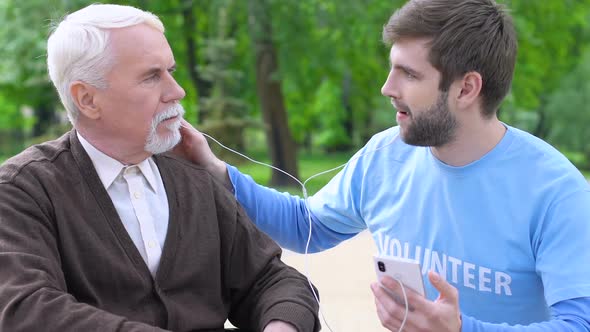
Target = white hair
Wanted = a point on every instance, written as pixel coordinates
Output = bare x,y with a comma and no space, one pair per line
77,48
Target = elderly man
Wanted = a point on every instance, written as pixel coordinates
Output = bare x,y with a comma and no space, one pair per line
98,232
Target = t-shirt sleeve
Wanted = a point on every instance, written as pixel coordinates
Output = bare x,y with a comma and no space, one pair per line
562,250
337,205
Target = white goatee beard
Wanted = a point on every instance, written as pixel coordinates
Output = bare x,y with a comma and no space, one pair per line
156,144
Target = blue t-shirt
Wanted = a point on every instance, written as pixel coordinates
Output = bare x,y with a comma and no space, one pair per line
510,231
500,229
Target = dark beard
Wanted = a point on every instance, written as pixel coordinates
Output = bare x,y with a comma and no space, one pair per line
433,127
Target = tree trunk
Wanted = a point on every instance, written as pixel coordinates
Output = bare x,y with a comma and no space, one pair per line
202,86
282,148
542,129
45,116
348,120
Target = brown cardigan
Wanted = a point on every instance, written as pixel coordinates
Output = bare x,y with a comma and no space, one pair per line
68,264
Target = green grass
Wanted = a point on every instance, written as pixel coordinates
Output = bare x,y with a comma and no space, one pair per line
579,160
308,166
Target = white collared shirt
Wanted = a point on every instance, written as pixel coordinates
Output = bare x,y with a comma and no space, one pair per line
138,194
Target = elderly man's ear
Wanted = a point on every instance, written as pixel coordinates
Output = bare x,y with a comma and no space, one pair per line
84,96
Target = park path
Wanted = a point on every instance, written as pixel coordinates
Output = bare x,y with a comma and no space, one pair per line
343,275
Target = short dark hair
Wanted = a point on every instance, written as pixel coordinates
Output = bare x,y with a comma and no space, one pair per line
465,35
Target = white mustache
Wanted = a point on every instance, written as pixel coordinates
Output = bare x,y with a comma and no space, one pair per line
172,111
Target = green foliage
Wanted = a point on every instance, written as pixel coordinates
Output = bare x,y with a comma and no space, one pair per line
338,42
24,84
332,64
569,109
329,114
10,115
24,35
551,35
221,112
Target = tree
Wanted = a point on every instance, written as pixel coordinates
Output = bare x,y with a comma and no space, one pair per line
225,113
551,37
569,111
191,34
324,95
333,64
22,60
282,148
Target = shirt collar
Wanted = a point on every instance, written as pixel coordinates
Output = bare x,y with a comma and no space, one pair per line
148,169
108,168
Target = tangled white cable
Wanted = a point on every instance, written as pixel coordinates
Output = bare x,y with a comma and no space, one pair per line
305,197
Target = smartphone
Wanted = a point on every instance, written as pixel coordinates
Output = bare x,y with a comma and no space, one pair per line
407,271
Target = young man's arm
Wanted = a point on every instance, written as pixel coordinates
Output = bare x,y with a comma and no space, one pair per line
282,216
569,315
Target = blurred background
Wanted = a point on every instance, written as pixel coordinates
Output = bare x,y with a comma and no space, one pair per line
297,83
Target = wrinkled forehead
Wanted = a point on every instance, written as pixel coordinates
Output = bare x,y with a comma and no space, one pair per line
137,39
139,45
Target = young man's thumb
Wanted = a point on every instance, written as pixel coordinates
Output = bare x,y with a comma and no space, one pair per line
448,293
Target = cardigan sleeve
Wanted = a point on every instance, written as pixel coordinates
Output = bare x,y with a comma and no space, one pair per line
261,287
33,292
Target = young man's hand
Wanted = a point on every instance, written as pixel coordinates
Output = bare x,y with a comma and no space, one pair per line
423,315
194,148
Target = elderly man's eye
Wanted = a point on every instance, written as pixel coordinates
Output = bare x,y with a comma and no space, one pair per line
153,78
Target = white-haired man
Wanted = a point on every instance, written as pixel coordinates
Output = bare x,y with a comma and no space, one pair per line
100,233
